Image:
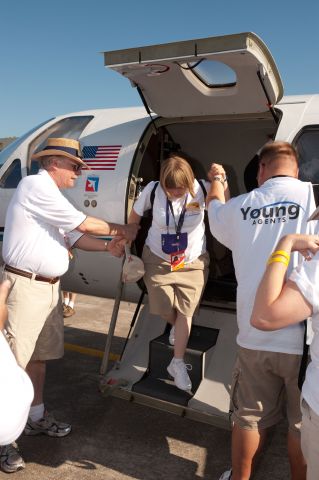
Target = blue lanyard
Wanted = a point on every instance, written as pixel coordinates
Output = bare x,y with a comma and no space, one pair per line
169,206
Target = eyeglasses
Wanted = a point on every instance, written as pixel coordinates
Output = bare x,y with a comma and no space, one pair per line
76,167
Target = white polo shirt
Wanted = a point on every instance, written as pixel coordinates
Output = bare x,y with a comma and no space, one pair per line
37,220
251,225
16,395
306,277
193,222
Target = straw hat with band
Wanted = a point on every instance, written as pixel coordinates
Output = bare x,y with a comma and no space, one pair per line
66,147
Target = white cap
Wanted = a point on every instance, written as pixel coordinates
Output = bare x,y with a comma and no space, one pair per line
133,267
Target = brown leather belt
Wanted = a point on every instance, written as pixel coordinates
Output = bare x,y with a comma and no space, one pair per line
39,278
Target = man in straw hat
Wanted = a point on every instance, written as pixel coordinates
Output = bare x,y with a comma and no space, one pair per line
41,226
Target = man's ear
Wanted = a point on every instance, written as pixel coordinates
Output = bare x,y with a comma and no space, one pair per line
260,174
55,162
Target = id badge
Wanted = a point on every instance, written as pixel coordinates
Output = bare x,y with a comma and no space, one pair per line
177,261
172,242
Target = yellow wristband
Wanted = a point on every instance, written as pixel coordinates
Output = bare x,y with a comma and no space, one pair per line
279,260
282,253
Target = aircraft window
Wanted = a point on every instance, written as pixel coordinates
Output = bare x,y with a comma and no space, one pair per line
70,127
12,176
307,145
214,74
34,168
9,149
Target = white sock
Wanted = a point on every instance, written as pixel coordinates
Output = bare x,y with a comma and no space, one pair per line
178,360
71,304
36,412
66,301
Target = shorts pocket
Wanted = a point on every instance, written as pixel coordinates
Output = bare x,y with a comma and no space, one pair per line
234,390
13,289
304,407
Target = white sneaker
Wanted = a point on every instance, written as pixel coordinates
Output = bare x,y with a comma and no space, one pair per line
178,370
171,338
226,475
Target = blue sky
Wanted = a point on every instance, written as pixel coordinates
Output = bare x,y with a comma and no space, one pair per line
50,60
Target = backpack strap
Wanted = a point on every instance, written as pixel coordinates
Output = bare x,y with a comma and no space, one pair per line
304,358
203,188
152,197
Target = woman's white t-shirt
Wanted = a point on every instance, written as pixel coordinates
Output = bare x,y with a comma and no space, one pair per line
193,222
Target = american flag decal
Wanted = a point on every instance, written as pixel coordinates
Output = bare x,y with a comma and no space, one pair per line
101,157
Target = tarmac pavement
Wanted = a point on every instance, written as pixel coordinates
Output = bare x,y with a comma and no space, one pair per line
113,439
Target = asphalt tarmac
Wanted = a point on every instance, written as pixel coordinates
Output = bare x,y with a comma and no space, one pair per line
113,439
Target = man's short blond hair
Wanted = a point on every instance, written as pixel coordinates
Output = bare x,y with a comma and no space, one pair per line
176,172
275,152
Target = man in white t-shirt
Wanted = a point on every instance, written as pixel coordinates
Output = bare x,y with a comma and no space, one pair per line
41,226
267,365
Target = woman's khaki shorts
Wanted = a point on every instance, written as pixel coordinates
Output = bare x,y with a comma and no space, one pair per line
35,320
180,290
265,385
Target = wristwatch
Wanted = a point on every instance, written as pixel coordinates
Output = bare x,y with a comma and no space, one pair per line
219,178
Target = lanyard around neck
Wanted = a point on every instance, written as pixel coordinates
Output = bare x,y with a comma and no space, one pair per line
178,226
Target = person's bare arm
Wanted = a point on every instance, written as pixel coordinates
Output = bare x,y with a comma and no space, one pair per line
219,189
134,218
88,243
279,304
97,226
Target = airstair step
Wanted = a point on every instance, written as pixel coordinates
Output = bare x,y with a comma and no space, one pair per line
162,389
200,339
157,382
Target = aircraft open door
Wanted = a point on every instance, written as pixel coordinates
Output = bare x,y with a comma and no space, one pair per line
228,75
214,101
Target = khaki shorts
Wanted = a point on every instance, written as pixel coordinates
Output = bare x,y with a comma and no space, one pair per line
309,440
35,320
180,290
264,385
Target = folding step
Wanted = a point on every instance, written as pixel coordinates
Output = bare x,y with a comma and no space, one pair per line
163,389
157,383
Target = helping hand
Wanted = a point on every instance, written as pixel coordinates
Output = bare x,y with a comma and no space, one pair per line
130,231
116,246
